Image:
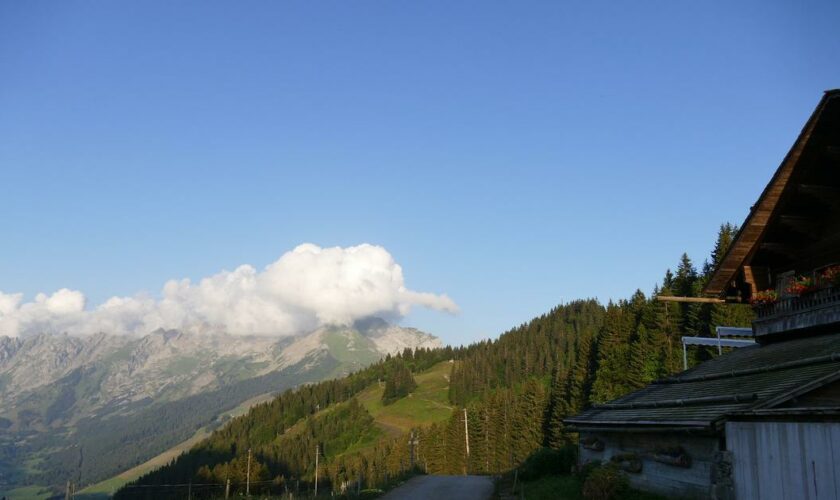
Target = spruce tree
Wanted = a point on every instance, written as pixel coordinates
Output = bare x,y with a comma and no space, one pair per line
558,410
399,382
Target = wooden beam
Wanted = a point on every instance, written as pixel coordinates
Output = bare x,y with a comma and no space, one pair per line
825,194
807,226
779,248
749,278
832,152
703,300
756,277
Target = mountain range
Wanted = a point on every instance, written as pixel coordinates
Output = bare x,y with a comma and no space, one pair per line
83,408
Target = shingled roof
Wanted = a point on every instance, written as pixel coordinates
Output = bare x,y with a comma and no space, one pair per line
750,378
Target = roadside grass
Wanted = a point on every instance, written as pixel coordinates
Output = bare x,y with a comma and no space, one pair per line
556,487
553,487
568,487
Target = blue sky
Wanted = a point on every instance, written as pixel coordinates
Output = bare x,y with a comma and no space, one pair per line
513,155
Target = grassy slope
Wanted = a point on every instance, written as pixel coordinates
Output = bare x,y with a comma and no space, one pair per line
429,403
28,492
110,485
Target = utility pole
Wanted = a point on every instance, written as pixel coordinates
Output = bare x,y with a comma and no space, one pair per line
248,476
413,440
189,491
316,471
466,433
467,442
67,492
486,442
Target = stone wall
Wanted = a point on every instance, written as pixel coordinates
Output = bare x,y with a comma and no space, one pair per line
672,464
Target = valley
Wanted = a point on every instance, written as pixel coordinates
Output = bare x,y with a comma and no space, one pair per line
101,406
109,486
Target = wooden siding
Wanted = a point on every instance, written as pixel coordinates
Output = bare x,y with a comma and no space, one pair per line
657,477
784,460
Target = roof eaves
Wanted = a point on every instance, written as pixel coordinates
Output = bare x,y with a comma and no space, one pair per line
828,358
696,424
798,391
653,428
741,249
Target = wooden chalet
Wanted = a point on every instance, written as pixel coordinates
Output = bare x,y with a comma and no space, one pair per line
761,421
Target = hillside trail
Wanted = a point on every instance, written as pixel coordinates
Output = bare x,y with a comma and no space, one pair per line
443,488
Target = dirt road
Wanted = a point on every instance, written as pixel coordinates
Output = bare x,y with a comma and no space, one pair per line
443,488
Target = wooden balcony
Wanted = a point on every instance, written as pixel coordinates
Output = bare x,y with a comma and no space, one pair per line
816,310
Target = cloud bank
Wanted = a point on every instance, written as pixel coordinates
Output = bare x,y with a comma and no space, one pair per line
305,288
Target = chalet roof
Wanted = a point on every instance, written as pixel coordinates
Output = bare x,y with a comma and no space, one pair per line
753,229
746,379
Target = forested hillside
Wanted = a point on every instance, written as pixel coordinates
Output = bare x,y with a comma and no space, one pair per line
516,390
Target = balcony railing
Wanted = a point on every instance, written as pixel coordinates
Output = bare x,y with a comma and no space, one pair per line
811,310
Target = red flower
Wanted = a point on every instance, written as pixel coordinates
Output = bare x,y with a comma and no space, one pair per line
801,285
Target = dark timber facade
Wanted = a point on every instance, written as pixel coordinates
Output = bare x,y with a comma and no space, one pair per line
761,421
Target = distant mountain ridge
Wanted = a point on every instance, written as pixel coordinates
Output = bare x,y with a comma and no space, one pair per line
63,387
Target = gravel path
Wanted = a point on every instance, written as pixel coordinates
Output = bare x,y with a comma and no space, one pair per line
443,488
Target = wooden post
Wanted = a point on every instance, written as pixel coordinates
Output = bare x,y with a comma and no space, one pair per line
515,477
189,491
467,437
316,471
701,300
248,476
413,440
67,492
227,489
486,442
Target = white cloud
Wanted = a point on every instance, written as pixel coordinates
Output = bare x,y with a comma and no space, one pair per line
305,288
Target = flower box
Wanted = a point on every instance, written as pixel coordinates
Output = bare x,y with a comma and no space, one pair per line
831,276
800,286
764,298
